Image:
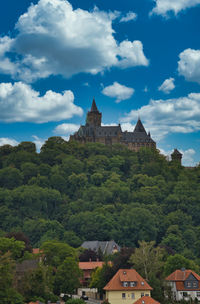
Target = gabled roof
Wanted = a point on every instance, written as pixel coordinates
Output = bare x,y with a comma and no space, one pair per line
139,127
146,300
127,275
176,152
90,265
182,275
106,247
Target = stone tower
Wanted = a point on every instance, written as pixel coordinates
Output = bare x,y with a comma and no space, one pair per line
93,116
176,156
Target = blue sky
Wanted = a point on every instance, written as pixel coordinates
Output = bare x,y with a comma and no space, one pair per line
136,57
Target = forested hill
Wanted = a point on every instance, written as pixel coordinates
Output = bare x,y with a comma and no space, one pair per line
73,192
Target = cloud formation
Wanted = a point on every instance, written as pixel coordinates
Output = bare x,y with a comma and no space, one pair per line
189,65
54,39
129,16
163,7
8,141
19,102
66,129
162,117
167,86
118,91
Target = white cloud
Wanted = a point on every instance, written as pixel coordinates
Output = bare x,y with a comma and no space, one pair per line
162,117
131,54
163,7
66,128
54,39
118,91
189,65
129,16
167,86
19,102
8,141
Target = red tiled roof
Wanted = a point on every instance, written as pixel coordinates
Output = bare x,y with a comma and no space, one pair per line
37,251
127,275
181,275
181,286
146,300
90,265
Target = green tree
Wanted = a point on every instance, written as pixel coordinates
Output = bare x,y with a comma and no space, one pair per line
16,248
177,262
147,259
67,277
56,252
8,295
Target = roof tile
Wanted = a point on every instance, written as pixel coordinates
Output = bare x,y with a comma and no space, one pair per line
127,275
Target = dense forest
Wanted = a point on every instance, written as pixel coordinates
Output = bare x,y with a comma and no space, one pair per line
71,192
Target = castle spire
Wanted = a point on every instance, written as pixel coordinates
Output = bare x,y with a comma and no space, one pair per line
139,127
94,106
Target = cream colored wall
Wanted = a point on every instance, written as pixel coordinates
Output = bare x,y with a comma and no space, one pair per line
115,297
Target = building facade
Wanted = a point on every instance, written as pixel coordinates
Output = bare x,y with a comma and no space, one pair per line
185,285
126,287
93,131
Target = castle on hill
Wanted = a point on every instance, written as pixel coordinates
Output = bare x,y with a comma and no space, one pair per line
93,131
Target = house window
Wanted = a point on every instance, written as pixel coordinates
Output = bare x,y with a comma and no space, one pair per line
198,294
133,296
142,294
189,284
185,294
146,295
123,295
132,284
125,284
195,284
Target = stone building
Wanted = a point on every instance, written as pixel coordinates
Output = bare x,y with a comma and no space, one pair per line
93,131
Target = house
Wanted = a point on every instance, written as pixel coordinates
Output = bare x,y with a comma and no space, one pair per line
126,287
146,300
106,247
185,284
87,268
94,131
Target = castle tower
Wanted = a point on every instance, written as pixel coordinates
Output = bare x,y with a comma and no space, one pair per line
176,156
93,116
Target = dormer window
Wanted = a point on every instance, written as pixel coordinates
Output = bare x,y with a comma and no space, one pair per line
142,283
125,284
133,284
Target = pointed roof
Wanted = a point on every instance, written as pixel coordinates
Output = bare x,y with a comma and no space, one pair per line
127,275
94,106
176,152
139,127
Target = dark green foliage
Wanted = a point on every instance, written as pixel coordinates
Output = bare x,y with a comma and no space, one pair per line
72,192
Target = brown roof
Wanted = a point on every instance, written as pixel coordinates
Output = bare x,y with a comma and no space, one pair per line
181,275
127,275
146,300
37,250
90,265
